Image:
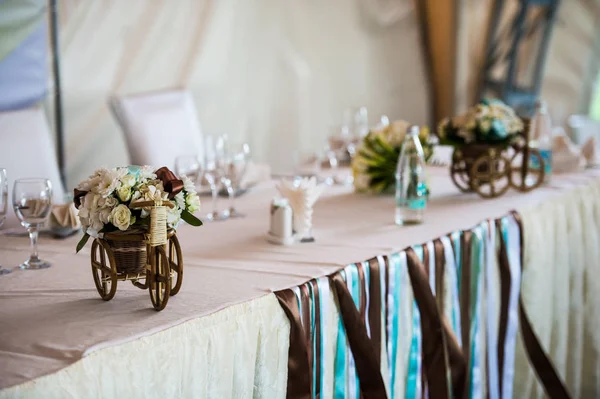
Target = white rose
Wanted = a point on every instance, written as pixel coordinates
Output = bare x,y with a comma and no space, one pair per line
128,181
108,202
193,202
120,217
124,193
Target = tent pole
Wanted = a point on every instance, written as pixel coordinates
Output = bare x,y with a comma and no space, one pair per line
58,112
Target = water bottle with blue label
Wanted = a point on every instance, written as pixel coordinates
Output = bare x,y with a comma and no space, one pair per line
540,138
411,188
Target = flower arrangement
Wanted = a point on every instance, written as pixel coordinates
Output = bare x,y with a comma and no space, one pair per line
376,159
490,122
104,199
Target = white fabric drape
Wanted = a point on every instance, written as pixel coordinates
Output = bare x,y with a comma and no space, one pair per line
240,352
275,73
560,291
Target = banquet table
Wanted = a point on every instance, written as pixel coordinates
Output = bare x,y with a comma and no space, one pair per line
225,334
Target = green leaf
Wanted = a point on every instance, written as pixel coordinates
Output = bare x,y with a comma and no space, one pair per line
82,242
190,219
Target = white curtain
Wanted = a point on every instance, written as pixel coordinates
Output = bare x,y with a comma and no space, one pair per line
277,74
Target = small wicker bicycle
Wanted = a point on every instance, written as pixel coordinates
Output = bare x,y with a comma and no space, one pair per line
490,170
151,259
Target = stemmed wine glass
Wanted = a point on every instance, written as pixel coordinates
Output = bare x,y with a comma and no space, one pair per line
3,206
237,158
189,165
32,201
214,160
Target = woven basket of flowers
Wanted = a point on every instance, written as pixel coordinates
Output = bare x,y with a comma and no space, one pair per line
132,214
491,151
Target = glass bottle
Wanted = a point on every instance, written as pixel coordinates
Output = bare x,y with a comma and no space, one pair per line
540,138
411,189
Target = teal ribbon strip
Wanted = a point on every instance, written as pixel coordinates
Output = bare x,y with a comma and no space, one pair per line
413,378
341,367
392,317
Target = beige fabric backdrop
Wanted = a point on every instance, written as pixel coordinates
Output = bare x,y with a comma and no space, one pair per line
275,73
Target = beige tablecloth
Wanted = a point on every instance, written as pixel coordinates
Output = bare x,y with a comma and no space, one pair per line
52,318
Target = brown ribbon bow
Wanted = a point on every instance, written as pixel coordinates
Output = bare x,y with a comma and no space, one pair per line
172,184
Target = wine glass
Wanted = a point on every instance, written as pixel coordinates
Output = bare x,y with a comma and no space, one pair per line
3,206
188,165
236,167
214,158
32,201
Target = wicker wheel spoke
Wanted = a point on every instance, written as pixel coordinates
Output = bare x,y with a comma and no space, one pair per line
533,177
161,278
104,270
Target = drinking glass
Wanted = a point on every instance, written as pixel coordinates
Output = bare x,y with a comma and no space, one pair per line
361,122
3,206
188,165
32,201
236,167
214,159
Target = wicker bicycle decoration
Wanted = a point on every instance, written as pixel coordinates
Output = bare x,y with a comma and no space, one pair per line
491,151
132,213
150,260
490,170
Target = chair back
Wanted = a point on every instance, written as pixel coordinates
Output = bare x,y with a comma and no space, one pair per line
158,126
27,150
582,128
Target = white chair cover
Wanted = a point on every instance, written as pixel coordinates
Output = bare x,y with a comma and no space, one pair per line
582,128
27,150
159,126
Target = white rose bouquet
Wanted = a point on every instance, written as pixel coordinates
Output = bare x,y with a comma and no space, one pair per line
104,199
376,159
490,122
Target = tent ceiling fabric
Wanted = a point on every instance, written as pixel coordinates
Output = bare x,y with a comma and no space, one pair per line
277,74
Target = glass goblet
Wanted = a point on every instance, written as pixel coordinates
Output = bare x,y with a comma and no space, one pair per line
188,165
236,167
32,201
3,207
214,168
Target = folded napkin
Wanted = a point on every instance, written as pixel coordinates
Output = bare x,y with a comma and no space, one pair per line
302,195
568,157
64,216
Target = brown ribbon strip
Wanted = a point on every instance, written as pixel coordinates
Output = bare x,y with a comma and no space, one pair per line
423,371
542,365
465,299
440,266
367,367
375,306
505,285
435,357
299,375
170,182
317,334
305,300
